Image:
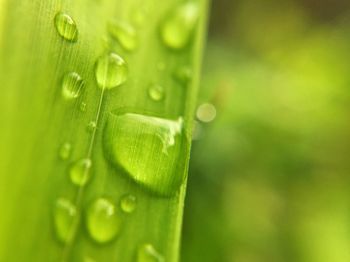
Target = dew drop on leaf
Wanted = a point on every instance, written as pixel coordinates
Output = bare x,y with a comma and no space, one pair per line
72,85
102,221
151,150
183,74
82,107
66,27
91,126
79,172
178,26
128,203
156,92
147,253
125,34
111,71
65,151
65,214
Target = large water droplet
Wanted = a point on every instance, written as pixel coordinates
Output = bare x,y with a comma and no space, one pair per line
177,28
111,71
156,92
150,149
80,172
125,34
103,223
65,151
72,85
66,27
65,214
128,203
147,253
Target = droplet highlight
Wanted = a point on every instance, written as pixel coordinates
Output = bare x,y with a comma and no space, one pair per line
150,149
124,33
206,112
80,172
65,151
66,27
102,221
72,84
156,92
128,203
147,253
183,74
178,26
111,71
65,214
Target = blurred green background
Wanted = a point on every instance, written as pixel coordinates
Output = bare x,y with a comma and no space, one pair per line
270,175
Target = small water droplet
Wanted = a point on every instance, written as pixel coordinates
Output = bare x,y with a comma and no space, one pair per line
65,214
156,92
150,149
91,126
103,223
177,28
147,253
72,85
128,203
65,151
80,172
125,34
66,27
206,113
183,74
83,107
111,71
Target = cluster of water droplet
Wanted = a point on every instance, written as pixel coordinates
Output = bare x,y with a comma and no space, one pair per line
163,139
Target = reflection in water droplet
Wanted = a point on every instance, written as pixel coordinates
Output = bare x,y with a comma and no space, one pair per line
206,113
65,151
65,214
102,221
151,150
66,27
147,253
72,85
177,28
156,92
128,203
80,172
111,71
125,34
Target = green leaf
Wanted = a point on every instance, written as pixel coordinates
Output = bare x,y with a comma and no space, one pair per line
79,181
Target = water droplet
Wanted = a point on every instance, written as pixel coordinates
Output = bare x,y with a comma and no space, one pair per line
128,203
150,149
91,126
72,85
83,107
206,113
125,34
65,151
103,223
177,28
65,214
156,92
80,172
66,27
111,71
147,253
183,74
